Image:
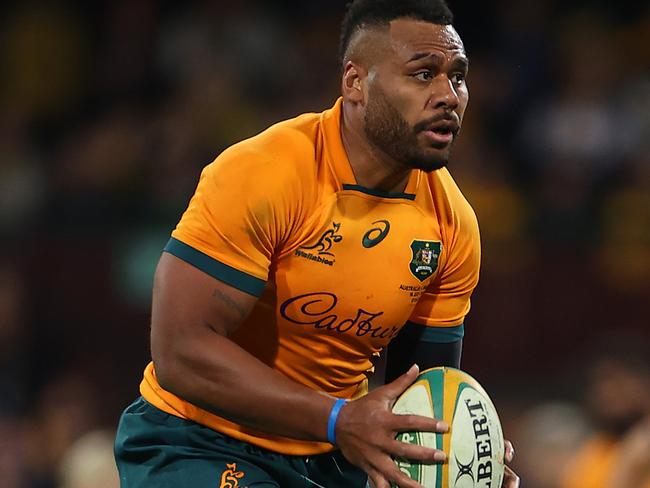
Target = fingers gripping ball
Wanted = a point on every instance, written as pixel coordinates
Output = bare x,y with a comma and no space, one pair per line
474,444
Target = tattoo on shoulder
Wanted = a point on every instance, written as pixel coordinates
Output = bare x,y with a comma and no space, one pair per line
232,304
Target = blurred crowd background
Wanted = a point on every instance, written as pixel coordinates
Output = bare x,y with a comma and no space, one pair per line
109,110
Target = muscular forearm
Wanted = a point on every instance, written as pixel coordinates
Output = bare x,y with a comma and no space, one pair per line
217,375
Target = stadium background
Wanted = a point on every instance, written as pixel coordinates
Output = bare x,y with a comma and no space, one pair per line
110,110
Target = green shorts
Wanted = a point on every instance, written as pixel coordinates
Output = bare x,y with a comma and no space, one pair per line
155,449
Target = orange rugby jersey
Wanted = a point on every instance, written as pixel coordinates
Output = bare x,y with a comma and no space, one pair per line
339,268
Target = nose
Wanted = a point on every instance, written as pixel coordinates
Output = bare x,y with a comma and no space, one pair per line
443,93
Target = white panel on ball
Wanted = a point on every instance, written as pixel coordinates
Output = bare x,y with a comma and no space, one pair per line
476,442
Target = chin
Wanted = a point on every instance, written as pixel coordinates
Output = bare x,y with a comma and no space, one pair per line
430,168
430,162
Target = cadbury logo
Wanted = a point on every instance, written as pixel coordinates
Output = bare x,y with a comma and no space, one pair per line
319,311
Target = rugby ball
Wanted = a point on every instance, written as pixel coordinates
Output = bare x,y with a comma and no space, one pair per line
474,444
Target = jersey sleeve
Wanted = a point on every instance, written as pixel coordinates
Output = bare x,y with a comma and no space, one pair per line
446,302
234,221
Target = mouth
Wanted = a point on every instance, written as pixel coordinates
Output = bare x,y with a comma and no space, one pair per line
442,133
439,137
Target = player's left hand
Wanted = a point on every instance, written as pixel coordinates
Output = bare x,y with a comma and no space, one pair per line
510,479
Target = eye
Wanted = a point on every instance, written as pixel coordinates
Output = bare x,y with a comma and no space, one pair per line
458,78
423,76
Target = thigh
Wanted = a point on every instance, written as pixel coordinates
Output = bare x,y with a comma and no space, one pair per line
157,450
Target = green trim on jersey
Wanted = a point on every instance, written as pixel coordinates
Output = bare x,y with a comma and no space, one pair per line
379,193
439,335
229,275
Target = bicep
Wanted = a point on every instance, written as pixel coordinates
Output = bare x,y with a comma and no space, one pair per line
189,304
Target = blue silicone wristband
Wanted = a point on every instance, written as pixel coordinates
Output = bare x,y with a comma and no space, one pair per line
331,422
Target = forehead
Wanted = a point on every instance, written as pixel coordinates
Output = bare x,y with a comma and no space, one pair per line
408,37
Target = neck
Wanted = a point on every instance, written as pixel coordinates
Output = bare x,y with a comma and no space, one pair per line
372,167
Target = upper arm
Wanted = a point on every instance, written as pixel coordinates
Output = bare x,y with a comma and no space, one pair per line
188,304
216,264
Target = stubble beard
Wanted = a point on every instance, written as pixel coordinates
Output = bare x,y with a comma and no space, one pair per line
385,128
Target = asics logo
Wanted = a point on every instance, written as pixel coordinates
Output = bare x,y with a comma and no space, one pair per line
377,234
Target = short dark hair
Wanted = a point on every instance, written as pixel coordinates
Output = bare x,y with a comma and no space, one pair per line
364,13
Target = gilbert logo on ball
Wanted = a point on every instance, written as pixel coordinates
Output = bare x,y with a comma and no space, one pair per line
474,444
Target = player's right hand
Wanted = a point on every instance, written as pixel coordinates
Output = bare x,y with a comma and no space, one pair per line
366,430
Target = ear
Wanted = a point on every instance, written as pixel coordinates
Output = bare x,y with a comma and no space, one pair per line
353,82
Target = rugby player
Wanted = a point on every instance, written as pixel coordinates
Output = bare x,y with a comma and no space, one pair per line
304,253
